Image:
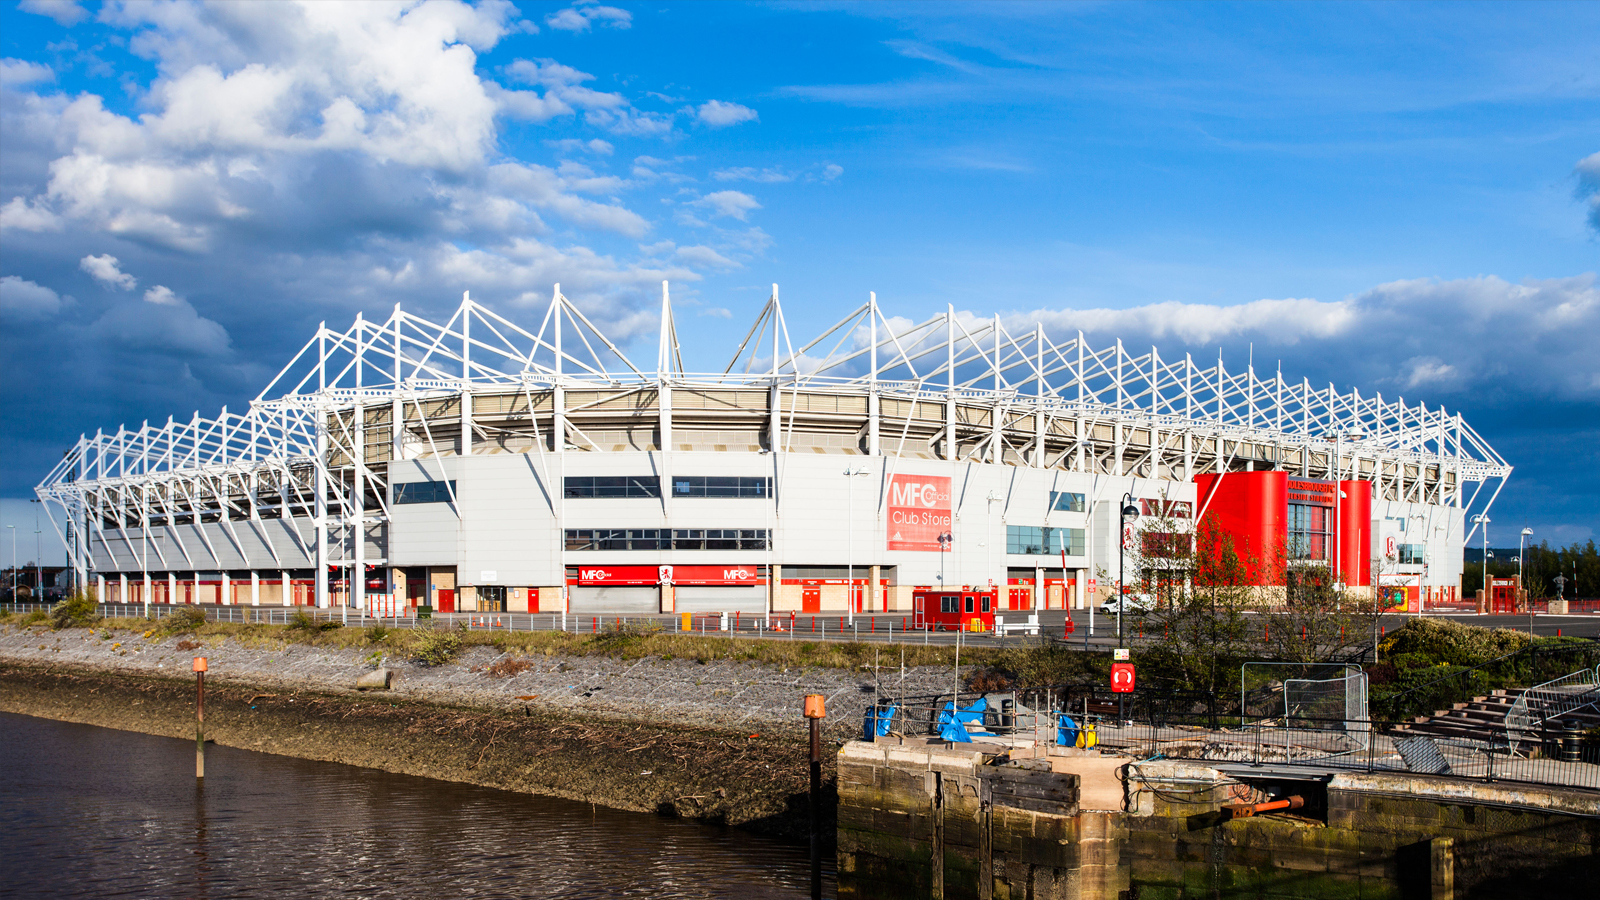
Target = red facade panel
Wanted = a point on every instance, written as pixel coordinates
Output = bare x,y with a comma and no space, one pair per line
1251,509
1355,533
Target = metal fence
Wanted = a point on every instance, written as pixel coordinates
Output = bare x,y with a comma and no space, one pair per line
1169,725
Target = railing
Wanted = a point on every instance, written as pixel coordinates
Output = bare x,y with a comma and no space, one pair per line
1530,665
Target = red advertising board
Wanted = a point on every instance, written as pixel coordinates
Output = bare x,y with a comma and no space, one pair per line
603,575
714,575
1122,677
618,575
919,512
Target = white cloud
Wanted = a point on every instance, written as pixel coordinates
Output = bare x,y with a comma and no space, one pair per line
1588,172
161,295
729,204
104,269
747,173
573,145
701,255
15,73
21,215
22,299
719,114
65,12
832,171
717,312
1431,336
579,16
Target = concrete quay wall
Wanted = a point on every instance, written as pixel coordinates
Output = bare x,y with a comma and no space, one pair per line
928,820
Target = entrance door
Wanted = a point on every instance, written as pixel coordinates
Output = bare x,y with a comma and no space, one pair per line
492,598
1020,597
811,598
636,600
447,601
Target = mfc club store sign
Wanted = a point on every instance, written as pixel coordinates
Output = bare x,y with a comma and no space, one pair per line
919,513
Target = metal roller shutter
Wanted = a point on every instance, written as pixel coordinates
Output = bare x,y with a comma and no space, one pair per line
622,601
747,600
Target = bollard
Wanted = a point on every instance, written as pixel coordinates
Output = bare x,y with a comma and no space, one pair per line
199,717
1569,742
815,710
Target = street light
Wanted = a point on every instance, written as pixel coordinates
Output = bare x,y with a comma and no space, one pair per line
1130,514
1522,550
1482,519
850,579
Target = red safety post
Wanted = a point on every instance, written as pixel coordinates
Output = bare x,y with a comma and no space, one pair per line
813,624
736,620
791,622
594,625
1266,633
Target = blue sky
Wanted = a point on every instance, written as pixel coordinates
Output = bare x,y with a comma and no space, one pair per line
186,190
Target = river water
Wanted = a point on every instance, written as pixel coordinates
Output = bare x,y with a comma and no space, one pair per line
93,812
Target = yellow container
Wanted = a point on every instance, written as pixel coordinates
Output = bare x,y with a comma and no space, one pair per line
1087,737
688,622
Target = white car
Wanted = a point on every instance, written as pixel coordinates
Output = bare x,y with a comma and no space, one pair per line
1130,604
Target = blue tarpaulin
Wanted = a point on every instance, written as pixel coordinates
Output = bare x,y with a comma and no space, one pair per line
953,720
1066,732
876,720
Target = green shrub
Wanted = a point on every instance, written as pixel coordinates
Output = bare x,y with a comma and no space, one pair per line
183,619
78,609
377,634
35,617
435,648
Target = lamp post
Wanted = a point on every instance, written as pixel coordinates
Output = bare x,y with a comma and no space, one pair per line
1522,551
850,553
1130,514
1481,519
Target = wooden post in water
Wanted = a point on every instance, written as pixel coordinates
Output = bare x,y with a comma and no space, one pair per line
199,717
814,713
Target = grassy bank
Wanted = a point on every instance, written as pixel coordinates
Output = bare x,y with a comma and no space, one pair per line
1035,662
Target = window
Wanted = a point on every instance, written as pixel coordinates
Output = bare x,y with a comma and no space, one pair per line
1410,554
1165,545
1029,540
1062,501
1170,509
424,492
1310,532
612,486
985,603
666,539
948,604
719,486
969,604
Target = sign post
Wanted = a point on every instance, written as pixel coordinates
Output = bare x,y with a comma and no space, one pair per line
815,711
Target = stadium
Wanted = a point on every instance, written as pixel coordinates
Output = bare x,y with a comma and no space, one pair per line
478,465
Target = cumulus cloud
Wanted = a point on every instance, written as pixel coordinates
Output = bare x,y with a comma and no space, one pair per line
580,16
728,204
701,255
65,12
573,145
103,268
22,299
21,215
719,114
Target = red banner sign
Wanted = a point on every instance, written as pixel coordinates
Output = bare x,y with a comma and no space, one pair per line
919,513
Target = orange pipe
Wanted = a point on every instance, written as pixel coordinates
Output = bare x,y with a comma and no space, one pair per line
1246,810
